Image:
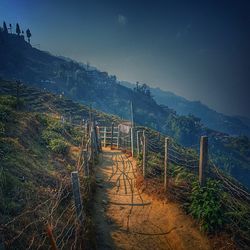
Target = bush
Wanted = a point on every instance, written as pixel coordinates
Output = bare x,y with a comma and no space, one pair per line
56,126
49,135
58,146
206,205
9,101
5,113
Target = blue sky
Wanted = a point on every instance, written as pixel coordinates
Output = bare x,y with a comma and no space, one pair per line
197,49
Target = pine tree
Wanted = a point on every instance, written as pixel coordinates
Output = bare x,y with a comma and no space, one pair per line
28,34
18,31
5,29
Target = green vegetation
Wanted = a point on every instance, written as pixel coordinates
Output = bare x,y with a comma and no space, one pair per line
206,205
38,151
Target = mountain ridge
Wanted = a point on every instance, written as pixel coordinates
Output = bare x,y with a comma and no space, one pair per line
233,125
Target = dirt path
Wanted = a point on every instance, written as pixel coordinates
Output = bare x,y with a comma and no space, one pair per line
128,219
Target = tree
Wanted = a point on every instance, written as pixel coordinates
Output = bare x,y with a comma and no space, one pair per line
18,31
5,29
28,34
10,28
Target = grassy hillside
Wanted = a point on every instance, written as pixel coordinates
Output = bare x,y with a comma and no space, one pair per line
37,154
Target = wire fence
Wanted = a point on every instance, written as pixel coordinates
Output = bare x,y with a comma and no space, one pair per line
54,219
183,165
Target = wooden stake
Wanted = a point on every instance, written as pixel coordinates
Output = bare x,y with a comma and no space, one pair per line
166,163
77,194
132,141
92,148
105,136
85,162
144,154
118,137
112,134
203,163
138,142
51,238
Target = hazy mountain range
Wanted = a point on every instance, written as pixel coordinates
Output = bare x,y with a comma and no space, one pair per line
233,125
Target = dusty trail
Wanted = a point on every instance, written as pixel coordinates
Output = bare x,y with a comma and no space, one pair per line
125,218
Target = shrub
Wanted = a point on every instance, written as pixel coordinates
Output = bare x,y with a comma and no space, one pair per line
206,205
9,101
5,113
58,146
49,135
56,126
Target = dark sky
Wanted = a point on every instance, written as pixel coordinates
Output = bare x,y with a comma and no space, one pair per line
197,49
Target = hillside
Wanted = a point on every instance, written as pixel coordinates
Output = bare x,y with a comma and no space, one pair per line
232,125
38,151
90,86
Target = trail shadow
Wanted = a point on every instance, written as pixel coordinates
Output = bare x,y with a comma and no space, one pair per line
103,224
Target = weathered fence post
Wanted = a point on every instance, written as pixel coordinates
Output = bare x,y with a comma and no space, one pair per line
203,163
144,154
99,139
132,141
77,194
138,142
118,137
112,135
166,163
51,238
85,163
95,139
92,147
104,136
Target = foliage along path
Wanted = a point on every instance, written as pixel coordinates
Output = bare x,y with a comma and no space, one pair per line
125,218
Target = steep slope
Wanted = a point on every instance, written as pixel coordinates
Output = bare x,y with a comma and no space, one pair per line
90,86
38,151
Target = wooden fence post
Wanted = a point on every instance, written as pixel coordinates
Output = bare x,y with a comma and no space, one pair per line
77,194
203,163
92,148
144,154
166,164
132,140
95,139
85,163
138,142
118,137
112,135
51,238
104,136
99,139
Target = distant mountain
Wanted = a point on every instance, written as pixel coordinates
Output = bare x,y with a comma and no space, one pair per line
87,85
233,125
